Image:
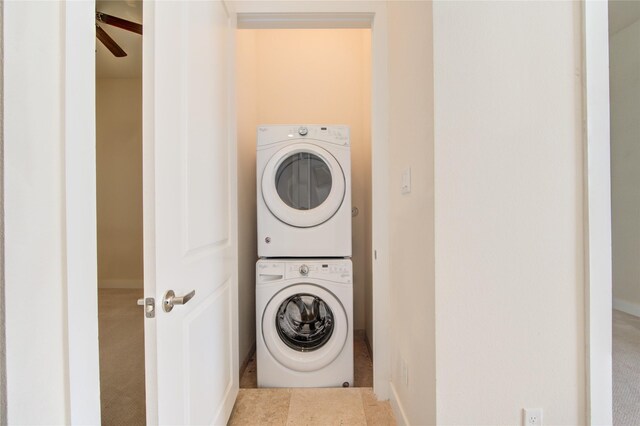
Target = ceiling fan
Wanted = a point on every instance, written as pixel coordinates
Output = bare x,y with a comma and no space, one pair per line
103,18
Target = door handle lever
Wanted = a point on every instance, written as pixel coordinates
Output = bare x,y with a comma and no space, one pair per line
170,299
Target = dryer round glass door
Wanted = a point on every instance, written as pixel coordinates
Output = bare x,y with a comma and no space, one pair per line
303,185
304,327
303,181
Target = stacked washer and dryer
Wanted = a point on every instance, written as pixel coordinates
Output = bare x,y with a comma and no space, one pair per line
304,277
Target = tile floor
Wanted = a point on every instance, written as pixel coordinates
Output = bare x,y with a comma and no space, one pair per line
310,407
313,406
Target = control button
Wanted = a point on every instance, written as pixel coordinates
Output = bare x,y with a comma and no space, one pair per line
304,269
302,131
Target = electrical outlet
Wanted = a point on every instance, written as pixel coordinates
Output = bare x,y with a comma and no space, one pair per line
533,417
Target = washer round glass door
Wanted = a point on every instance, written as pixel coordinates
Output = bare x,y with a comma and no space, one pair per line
303,185
304,327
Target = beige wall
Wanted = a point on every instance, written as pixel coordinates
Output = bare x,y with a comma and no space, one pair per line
412,287
313,77
247,110
365,218
509,212
119,182
625,166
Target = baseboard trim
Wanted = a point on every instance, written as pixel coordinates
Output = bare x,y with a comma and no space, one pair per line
626,307
396,405
132,284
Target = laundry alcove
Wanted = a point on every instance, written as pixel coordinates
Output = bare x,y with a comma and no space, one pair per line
308,76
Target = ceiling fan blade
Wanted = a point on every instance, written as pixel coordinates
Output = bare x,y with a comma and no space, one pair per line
109,42
119,22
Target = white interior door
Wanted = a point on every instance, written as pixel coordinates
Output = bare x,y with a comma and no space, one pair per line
189,212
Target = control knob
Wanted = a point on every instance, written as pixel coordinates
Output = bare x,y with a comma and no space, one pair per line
302,131
304,269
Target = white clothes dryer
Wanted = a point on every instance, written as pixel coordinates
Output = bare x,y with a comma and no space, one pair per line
303,191
304,320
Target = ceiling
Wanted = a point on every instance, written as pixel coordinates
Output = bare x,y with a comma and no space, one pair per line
622,13
130,66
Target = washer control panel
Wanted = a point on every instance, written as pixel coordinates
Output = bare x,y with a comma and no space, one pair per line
328,269
337,270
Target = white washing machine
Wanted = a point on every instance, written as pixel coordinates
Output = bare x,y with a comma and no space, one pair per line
304,322
303,191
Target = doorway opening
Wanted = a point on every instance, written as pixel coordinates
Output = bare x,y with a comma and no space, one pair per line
82,158
624,86
305,76
119,214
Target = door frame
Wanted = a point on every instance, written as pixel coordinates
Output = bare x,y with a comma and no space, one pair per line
352,14
80,226
597,213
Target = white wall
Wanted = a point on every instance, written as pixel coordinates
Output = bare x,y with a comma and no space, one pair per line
34,170
119,182
49,93
411,240
3,351
625,166
50,221
291,76
508,212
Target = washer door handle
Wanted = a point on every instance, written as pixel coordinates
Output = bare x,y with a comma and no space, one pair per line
270,277
170,299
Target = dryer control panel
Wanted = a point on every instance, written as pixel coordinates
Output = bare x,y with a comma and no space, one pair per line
336,134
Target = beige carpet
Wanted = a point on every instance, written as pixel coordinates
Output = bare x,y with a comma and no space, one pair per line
121,332
626,369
